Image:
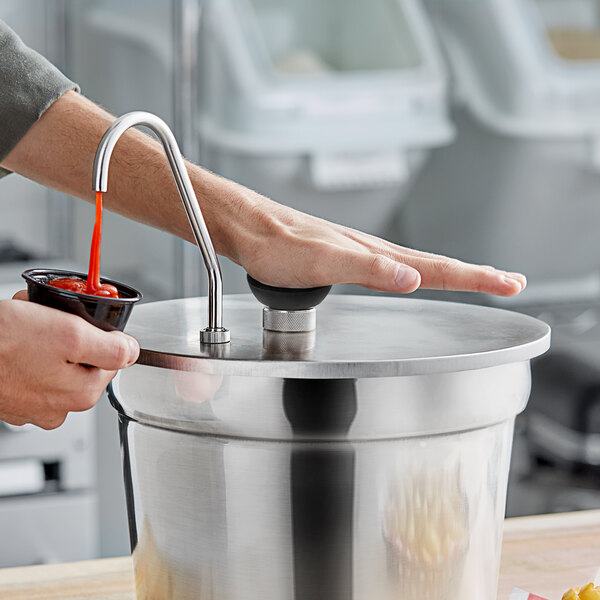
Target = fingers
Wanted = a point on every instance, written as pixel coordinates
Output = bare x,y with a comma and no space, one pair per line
106,350
90,383
407,273
76,389
442,273
372,270
83,342
76,340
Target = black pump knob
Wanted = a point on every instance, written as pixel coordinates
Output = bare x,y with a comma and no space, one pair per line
288,309
281,298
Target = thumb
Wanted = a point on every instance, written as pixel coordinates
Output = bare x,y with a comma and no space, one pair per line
108,350
21,295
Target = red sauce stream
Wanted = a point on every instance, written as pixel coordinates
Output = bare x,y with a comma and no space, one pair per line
93,285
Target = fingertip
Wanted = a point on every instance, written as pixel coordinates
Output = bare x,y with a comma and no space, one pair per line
122,352
511,286
21,295
407,279
129,350
520,278
133,348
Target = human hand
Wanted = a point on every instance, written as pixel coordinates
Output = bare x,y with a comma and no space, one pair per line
283,247
41,356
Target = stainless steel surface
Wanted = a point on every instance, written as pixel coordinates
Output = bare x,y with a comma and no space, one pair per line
366,459
358,337
289,321
190,202
386,407
232,519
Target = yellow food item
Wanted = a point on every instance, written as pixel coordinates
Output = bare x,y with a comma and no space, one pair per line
576,44
588,592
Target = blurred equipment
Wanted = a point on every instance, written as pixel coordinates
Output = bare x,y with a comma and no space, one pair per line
520,189
329,107
12,252
32,216
48,500
557,453
520,186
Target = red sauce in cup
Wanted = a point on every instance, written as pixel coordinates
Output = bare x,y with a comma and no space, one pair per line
79,285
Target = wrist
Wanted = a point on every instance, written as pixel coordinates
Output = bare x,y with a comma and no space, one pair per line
230,211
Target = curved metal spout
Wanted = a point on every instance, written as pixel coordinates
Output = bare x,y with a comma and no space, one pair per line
215,333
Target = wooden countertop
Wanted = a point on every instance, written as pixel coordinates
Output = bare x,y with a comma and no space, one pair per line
545,555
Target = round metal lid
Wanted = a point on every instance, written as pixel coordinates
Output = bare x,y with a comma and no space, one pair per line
356,337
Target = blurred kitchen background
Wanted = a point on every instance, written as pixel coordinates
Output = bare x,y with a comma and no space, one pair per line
470,128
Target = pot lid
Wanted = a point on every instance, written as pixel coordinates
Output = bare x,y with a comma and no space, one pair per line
355,337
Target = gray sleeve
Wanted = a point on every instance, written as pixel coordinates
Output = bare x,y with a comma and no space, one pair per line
29,84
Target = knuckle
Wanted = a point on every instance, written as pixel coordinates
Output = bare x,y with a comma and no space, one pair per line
74,337
449,265
379,264
446,270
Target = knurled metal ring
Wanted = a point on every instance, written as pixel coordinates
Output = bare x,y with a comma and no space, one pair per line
289,320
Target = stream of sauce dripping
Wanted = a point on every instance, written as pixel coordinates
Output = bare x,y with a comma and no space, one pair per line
93,280
93,285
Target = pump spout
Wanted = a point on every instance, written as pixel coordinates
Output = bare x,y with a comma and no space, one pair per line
215,333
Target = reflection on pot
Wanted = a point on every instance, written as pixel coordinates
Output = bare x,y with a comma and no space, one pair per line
426,531
156,579
196,387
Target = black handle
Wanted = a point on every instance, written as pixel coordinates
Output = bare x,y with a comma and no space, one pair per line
287,298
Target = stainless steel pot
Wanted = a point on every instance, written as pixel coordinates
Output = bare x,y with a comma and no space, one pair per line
374,466
363,457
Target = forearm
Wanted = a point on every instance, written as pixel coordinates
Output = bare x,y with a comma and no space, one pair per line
58,152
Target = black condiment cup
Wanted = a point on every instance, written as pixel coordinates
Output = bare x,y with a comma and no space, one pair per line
109,314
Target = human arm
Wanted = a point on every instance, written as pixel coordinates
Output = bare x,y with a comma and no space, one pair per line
274,243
